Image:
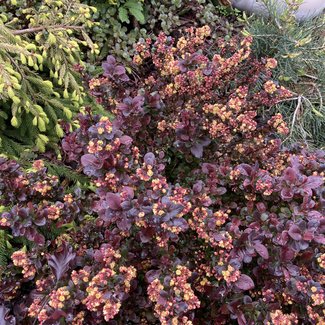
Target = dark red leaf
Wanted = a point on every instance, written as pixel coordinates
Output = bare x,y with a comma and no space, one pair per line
320,239
287,254
197,150
55,317
59,262
290,175
152,275
149,158
147,234
125,139
39,239
110,60
261,207
89,160
314,182
262,250
114,201
4,318
129,191
286,194
308,235
244,282
241,319
295,232
313,214
245,169
119,70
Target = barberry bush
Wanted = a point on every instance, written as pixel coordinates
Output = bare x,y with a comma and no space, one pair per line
198,215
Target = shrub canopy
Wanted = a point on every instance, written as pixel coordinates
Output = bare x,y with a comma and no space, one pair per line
198,217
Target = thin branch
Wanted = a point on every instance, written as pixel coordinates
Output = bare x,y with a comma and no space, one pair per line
314,85
320,96
315,48
314,60
309,76
295,114
265,35
41,28
307,100
313,27
287,100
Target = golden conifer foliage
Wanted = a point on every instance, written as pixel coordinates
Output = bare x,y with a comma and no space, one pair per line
39,84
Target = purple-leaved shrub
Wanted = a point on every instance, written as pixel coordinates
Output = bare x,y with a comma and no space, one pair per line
199,217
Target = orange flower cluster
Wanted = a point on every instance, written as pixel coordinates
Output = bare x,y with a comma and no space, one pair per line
45,186
20,259
218,101
279,318
203,219
321,261
98,287
58,297
181,298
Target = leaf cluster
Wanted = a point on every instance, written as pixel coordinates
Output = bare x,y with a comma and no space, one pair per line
123,23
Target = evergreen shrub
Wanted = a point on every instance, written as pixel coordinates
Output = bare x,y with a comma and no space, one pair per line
40,60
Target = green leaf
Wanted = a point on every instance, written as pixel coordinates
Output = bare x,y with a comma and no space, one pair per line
123,15
136,9
3,115
137,14
133,4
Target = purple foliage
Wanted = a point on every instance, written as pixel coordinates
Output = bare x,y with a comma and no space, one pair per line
195,215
